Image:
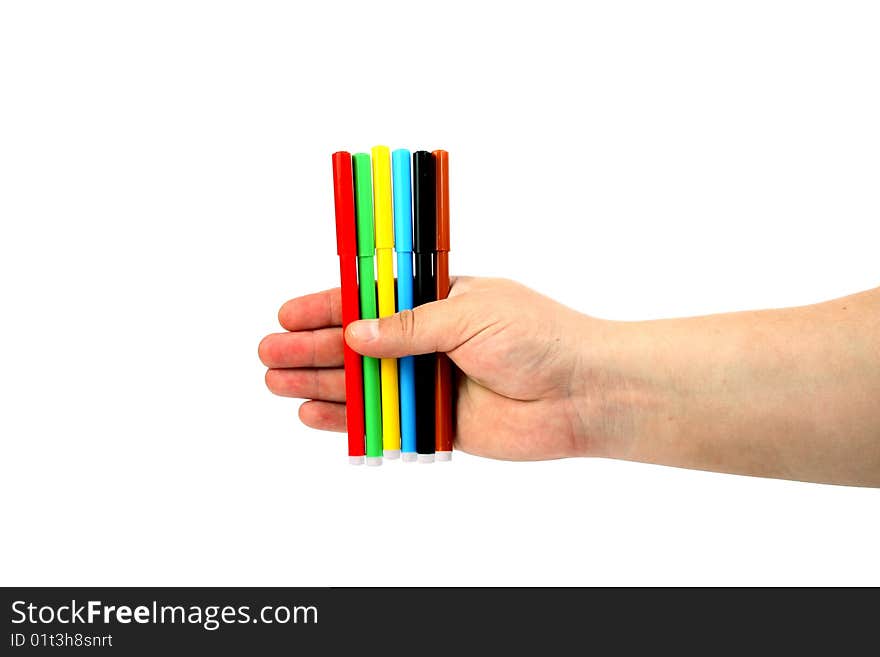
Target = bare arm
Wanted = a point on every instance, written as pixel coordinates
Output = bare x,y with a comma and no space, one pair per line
791,393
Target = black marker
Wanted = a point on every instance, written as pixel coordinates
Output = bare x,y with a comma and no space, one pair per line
424,291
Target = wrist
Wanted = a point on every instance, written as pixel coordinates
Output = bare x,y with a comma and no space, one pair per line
618,399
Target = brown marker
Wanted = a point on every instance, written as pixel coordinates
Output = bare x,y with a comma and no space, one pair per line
443,381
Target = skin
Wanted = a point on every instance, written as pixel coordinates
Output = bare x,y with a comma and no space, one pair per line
791,393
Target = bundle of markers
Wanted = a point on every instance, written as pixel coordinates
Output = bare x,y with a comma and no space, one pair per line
387,205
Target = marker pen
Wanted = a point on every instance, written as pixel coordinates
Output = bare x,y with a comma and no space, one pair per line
346,247
367,280
400,172
383,213
424,244
443,378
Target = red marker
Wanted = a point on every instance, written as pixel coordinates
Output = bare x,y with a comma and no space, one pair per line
346,247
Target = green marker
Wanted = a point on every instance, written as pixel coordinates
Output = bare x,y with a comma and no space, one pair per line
363,202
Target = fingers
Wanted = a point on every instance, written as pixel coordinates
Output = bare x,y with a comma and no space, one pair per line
327,416
321,348
325,385
437,326
323,309
312,311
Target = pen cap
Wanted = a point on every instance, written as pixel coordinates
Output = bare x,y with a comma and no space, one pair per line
363,203
441,164
343,196
400,173
424,210
382,211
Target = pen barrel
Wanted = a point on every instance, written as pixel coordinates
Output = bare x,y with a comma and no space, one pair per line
385,281
372,394
404,280
407,403
372,407
443,404
424,365
424,291
441,276
424,287
443,376
354,385
390,404
406,365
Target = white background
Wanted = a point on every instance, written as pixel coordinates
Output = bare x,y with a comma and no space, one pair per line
165,185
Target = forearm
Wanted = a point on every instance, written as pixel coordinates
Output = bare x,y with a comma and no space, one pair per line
791,393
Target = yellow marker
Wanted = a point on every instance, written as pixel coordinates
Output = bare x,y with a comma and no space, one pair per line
384,217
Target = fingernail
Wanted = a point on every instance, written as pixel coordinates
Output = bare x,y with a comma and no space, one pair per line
365,330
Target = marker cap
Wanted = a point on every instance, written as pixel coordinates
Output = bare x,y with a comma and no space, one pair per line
424,212
401,173
382,209
343,193
441,160
366,245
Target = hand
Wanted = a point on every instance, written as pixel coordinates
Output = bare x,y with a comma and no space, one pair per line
519,386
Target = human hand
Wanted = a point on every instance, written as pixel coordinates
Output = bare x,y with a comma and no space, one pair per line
518,353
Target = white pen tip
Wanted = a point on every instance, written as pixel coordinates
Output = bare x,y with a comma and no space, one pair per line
392,454
408,457
444,456
356,460
374,460
426,458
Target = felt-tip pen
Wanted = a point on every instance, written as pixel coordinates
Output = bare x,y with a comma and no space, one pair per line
383,215
403,243
424,245
367,283
443,380
346,247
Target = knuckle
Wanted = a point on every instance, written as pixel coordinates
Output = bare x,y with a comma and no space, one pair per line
407,321
316,384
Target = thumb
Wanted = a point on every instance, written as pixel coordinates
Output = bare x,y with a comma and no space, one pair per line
434,326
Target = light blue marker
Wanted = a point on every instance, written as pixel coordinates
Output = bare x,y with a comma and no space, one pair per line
403,236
